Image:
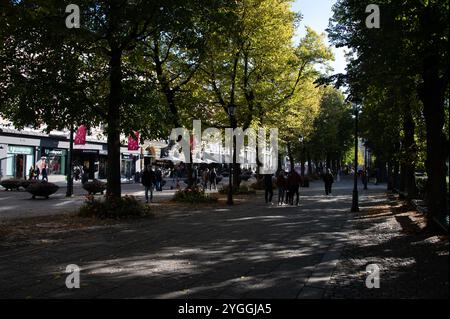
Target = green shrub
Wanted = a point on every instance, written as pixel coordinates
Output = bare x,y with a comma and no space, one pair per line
94,187
112,208
193,195
244,189
259,184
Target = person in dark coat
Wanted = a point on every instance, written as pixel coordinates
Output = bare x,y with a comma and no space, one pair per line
268,187
282,185
293,182
147,180
84,175
159,179
328,179
44,173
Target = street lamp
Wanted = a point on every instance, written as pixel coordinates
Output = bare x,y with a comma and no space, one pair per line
355,206
231,111
69,191
301,139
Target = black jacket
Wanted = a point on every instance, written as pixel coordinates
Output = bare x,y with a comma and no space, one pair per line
147,178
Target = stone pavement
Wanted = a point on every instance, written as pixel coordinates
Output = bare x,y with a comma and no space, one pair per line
253,250
18,204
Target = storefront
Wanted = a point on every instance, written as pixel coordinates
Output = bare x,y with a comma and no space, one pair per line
87,160
19,160
128,165
56,160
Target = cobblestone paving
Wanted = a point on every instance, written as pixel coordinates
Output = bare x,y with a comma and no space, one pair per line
251,251
412,262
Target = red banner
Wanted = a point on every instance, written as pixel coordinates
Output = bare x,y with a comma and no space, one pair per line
80,136
133,142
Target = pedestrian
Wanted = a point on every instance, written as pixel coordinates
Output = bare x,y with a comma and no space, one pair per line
37,172
364,177
159,179
213,179
268,187
147,180
282,184
377,175
31,173
328,179
44,173
293,183
84,176
205,178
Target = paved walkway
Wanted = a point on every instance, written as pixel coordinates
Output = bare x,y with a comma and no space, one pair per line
18,204
252,250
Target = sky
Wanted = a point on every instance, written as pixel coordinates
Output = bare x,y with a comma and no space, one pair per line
316,14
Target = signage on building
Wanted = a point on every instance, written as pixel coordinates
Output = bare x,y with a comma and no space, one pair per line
12,149
54,152
129,156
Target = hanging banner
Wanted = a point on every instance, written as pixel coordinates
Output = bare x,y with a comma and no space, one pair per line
80,136
133,142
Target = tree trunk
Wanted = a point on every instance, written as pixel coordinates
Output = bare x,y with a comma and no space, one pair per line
390,176
291,157
410,151
309,164
395,175
113,188
432,94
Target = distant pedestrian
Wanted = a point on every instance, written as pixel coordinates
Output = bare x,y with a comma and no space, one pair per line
159,179
213,179
268,187
84,176
377,175
147,180
282,185
328,179
37,172
44,172
293,183
31,172
205,178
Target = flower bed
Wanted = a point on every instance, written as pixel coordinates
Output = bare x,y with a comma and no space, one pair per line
244,189
193,195
111,208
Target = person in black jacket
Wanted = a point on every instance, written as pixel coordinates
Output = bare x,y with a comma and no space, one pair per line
268,187
147,180
328,179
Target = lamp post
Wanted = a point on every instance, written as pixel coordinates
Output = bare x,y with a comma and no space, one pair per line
301,139
231,110
355,206
69,191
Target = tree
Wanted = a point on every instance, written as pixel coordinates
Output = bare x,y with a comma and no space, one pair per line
94,70
409,48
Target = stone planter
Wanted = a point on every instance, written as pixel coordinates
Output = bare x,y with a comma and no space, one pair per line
42,189
94,187
12,184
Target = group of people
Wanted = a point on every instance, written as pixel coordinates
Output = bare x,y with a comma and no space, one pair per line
151,180
35,172
288,185
209,177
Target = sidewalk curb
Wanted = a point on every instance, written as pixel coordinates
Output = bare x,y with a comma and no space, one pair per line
316,284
